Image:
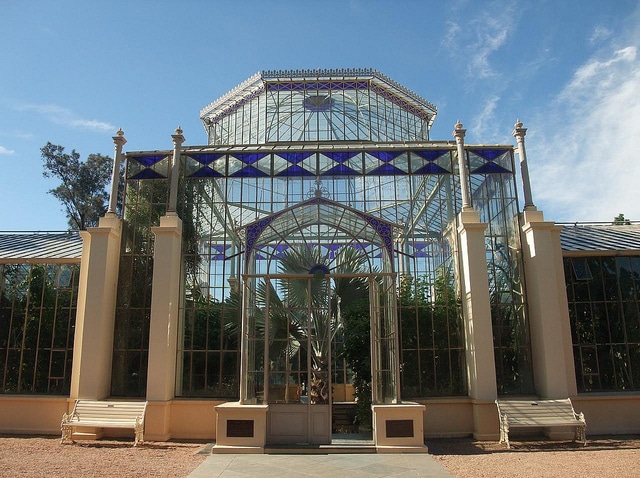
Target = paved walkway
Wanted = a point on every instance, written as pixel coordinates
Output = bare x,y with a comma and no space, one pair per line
329,465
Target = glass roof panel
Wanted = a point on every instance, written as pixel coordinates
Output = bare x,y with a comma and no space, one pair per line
311,221
337,105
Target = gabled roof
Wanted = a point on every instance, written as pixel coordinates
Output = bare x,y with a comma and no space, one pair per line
319,210
51,247
586,239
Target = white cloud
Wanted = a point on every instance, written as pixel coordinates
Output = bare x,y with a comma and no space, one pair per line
586,163
484,125
451,35
478,38
6,151
598,77
65,117
490,36
530,68
599,34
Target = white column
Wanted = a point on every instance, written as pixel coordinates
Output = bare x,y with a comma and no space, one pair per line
163,330
551,344
476,307
119,141
165,299
481,369
95,316
519,132
458,134
178,139
165,309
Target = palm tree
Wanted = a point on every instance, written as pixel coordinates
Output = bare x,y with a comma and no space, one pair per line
304,314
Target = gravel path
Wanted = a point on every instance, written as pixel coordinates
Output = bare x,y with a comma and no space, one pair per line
602,457
44,456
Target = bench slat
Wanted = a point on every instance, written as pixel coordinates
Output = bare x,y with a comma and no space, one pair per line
102,424
539,413
105,414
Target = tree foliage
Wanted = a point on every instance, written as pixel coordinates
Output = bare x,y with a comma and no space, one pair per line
36,332
620,220
82,191
357,351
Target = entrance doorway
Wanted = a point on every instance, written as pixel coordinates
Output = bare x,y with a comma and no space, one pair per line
291,322
302,266
292,325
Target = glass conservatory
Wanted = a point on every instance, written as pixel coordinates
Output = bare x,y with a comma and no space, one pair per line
319,199
322,266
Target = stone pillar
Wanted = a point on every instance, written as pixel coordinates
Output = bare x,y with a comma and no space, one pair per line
458,134
163,333
165,299
119,141
178,139
551,345
165,309
481,370
474,288
96,306
519,132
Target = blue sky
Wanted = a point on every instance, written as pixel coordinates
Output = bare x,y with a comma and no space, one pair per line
73,72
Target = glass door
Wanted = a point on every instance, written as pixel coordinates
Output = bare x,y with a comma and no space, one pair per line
288,362
298,344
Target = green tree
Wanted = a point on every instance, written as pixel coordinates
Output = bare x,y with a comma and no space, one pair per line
620,220
291,328
432,336
357,351
82,192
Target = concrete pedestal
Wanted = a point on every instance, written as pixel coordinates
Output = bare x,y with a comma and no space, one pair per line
399,428
240,428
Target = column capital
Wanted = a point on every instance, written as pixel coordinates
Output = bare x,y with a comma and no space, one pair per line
519,131
177,138
119,139
459,132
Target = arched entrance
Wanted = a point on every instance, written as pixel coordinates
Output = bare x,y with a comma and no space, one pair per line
292,312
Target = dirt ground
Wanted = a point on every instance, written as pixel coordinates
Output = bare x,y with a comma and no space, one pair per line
44,456
602,457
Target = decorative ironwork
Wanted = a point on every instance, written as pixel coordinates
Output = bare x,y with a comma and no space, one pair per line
319,190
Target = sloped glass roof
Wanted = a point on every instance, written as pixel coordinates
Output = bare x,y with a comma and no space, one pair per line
40,247
318,105
581,239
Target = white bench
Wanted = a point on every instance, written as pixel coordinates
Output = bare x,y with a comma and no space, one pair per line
539,413
105,414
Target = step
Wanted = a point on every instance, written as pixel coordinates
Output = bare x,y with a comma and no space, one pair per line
310,449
